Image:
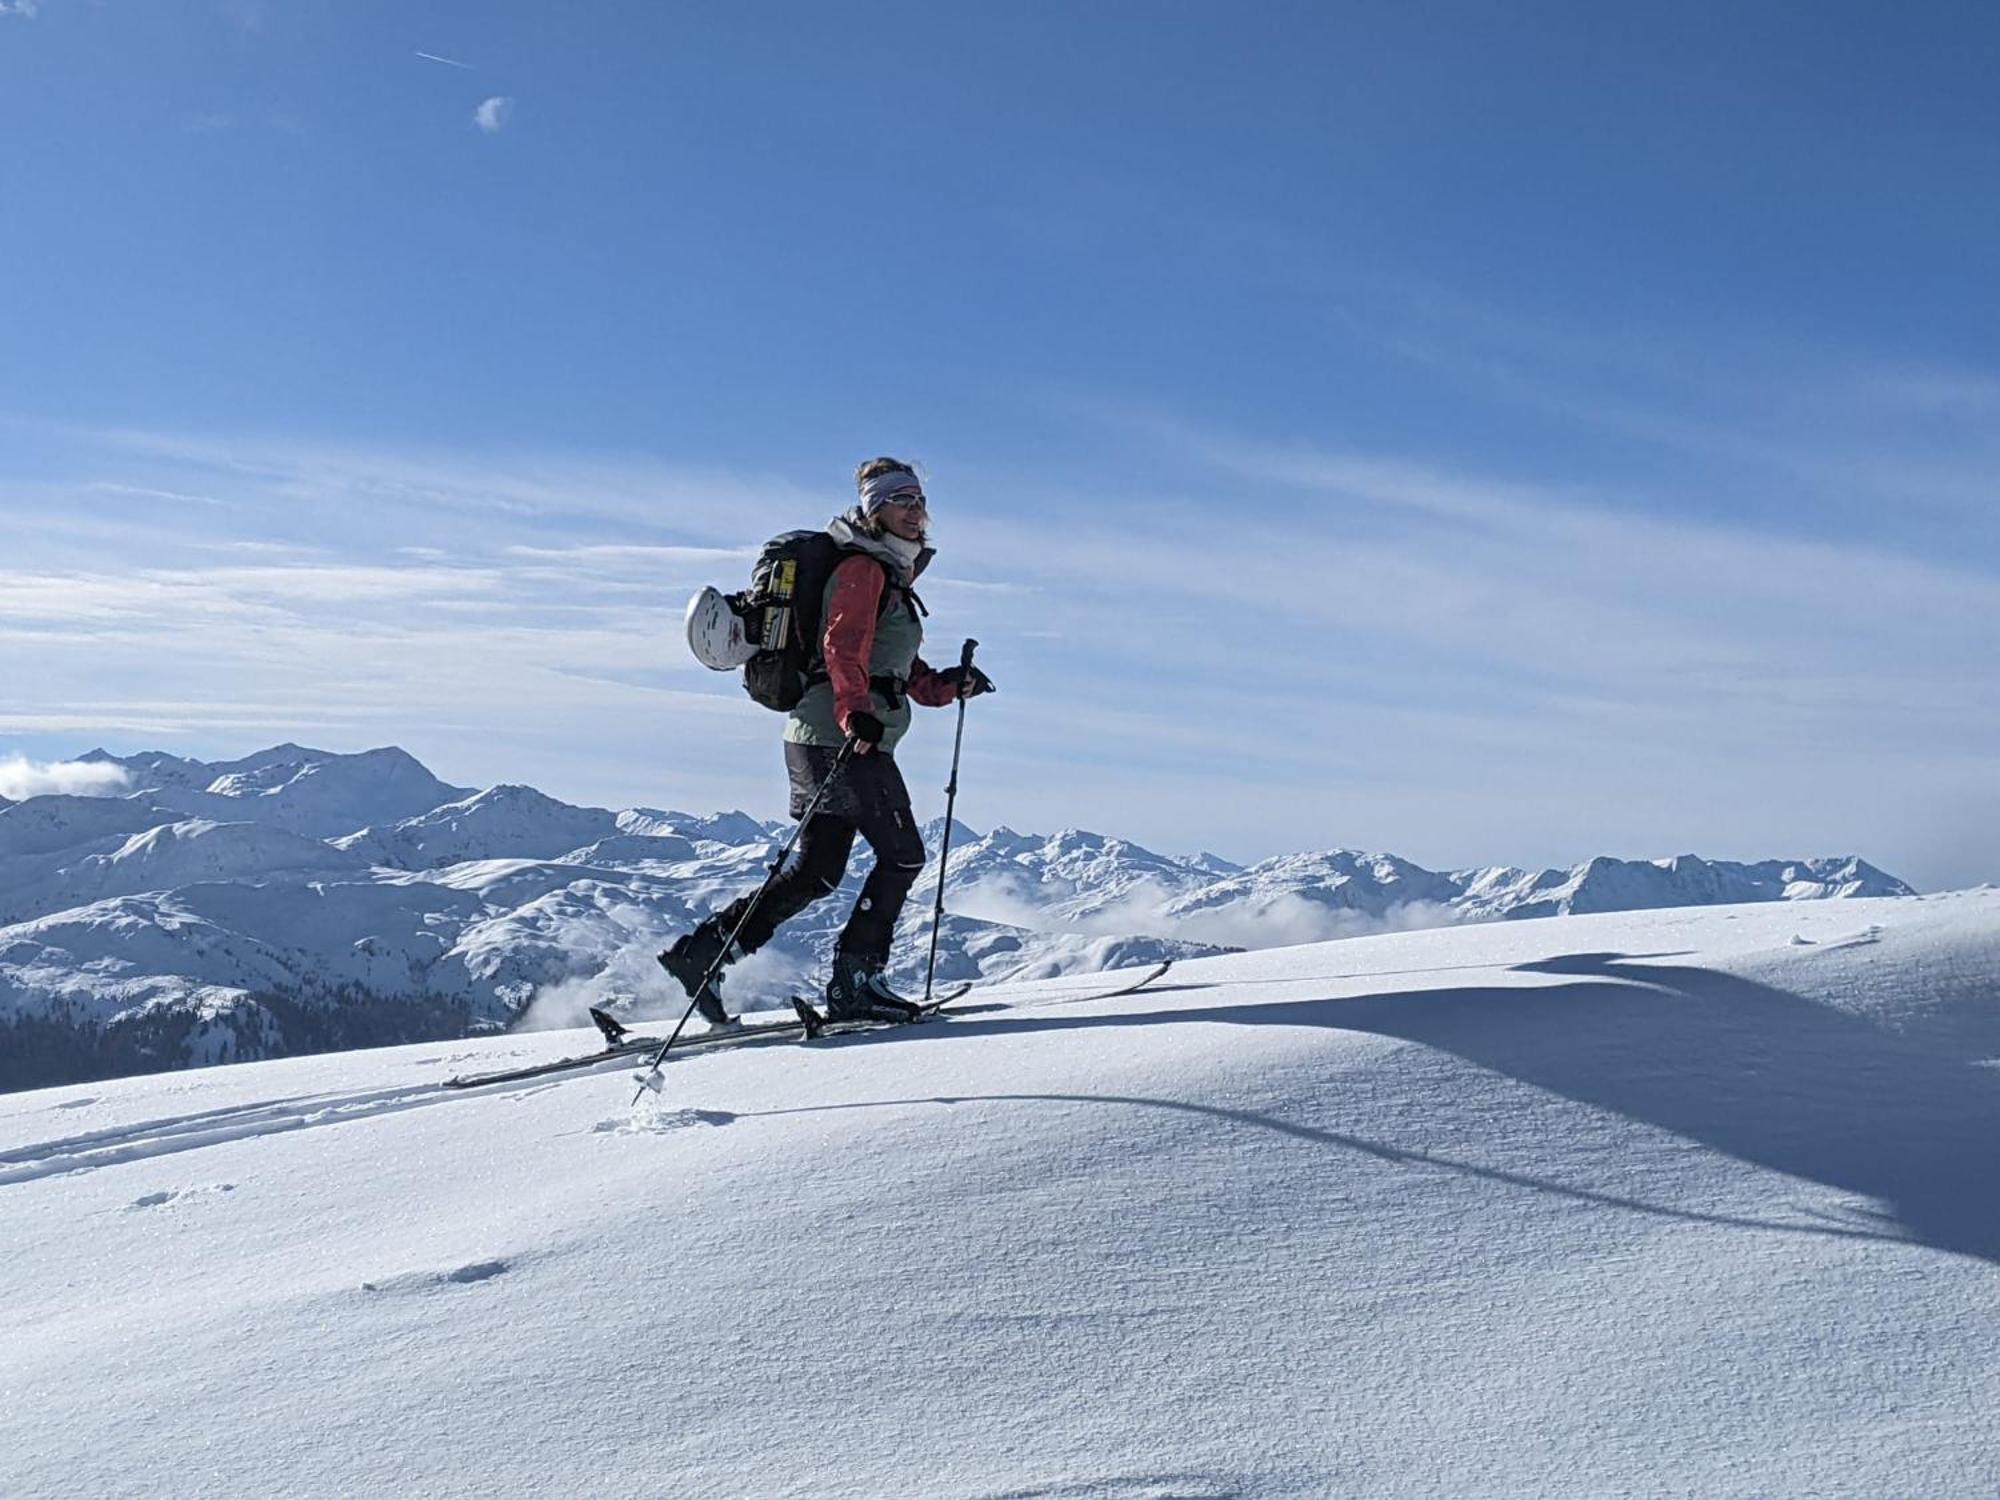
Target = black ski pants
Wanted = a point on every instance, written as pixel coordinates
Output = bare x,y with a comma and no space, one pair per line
869,799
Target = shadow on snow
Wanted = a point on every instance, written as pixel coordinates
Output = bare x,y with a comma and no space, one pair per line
1756,1072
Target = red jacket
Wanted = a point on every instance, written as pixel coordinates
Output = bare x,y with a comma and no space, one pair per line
849,640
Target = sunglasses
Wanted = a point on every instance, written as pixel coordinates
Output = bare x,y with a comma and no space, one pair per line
909,499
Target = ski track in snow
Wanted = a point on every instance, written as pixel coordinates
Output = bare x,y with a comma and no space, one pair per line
175,1134
165,1137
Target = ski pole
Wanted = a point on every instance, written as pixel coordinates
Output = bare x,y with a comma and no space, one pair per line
950,801
651,1077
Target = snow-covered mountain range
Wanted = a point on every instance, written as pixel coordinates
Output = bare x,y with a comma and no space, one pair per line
298,900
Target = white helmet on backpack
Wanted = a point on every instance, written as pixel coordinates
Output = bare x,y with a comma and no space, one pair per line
715,632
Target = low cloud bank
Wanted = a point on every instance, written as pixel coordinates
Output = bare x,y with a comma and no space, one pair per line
21,779
1279,921
633,987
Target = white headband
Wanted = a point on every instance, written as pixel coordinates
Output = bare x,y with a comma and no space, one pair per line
882,488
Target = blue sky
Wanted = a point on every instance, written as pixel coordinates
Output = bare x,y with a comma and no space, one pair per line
1486,433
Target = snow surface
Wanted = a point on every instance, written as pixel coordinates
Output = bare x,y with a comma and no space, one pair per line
1699,1201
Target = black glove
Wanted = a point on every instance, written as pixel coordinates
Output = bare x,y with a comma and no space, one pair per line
865,728
958,677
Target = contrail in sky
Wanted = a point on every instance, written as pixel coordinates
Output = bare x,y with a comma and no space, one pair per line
449,62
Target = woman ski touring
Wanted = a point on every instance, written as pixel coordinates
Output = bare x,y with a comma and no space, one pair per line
863,673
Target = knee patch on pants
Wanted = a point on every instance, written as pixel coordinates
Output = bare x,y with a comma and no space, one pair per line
900,846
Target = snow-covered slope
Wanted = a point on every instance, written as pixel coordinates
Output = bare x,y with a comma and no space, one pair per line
1624,885
731,828
300,899
171,855
502,822
1688,1202
311,792
58,824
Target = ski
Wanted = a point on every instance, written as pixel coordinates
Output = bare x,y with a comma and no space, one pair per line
1158,972
817,1025
621,1043
1131,987
632,1045
631,1048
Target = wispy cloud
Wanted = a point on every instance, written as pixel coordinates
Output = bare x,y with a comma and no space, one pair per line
1930,391
21,778
27,10
525,496
1793,432
649,558
1327,646
184,590
1439,661
493,114
449,62
1270,921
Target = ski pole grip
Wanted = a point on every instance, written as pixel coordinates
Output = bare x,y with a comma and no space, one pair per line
965,656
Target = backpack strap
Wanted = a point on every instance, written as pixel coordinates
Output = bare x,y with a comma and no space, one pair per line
816,672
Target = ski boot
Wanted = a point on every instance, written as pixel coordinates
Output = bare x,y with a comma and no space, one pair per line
689,961
858,992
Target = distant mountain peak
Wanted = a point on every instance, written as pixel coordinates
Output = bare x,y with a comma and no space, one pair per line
733,827
510,794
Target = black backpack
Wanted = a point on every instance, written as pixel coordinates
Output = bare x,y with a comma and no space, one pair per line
781,615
